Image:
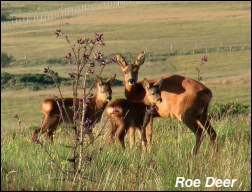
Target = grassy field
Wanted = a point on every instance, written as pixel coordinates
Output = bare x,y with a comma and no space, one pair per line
152,27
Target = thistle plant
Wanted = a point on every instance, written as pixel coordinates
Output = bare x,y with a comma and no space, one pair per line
198,69
82,59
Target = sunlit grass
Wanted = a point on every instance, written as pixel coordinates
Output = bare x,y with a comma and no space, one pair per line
111,168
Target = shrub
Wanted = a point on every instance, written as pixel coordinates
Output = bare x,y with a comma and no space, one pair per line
220,110
6,59
38,81
55,61
4,15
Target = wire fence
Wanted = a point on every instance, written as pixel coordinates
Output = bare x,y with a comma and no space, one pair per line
50,57
66,13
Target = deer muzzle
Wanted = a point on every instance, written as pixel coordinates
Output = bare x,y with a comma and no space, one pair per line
109,98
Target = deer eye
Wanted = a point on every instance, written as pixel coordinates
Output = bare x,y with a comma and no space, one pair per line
125,72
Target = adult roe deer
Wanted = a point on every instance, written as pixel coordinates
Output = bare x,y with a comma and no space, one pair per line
126,116
94,109
182,98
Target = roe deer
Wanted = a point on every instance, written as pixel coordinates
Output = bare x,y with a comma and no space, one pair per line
126,116
182,98
94,109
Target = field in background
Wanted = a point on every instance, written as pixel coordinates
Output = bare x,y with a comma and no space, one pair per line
172,34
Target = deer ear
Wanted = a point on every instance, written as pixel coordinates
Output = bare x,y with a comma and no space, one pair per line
146,84
120,60
140,59
98,80
111,80
158,83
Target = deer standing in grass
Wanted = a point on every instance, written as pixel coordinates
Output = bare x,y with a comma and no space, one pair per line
182,98
94,109
126,116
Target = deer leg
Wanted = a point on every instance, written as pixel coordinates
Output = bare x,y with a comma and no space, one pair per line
43,128
148,132
120,135
204,121
35,135
50,125
132,136
113,128
192,124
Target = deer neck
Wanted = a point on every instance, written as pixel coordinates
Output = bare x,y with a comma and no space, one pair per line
135,93
98,103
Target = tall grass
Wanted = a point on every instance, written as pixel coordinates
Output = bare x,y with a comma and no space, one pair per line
25,166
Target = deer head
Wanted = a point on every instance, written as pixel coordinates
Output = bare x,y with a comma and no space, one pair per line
104,88
130,70
153,91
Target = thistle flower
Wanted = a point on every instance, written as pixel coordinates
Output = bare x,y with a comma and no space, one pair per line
15,116
102,44
46,70
88,101
58,32
56,97
85,55
100,148
91,71
69,55
71,75
88,120
115,110
99,37
154,107
89,158
98,55
112,60
152,161
203,59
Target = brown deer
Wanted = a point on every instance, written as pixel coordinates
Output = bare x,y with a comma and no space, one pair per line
94,109
182,98
126,116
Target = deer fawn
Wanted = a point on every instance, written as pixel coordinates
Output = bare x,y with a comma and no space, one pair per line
126,116
182,98
94,109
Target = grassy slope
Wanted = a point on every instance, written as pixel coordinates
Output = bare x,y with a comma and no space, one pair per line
154,26
131,29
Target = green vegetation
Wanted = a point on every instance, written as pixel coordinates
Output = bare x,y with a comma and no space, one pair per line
37,81
33,81
4,15
111,168
6,59
175,35
220,110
